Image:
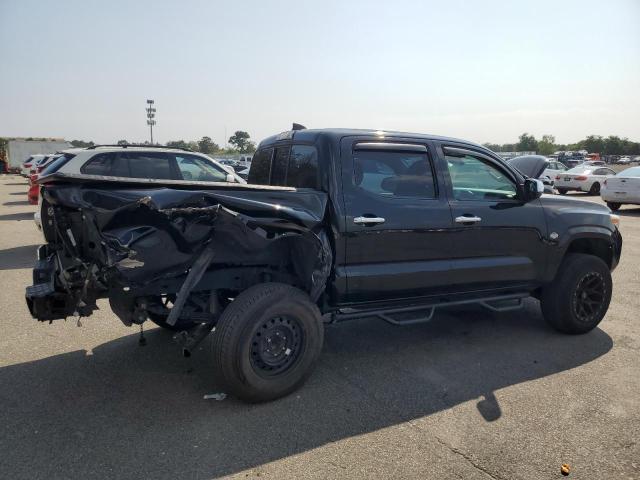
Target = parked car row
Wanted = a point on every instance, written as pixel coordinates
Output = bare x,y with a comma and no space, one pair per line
593,177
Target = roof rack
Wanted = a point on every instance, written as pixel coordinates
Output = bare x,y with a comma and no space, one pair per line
137,145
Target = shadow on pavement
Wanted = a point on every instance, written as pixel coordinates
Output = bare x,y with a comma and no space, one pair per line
15,203
18,257
17,193
628,212
129,411
17,216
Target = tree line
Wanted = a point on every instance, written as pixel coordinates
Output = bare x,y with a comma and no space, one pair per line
611,145
240,142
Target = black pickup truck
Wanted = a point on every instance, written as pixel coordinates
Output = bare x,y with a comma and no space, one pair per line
334,224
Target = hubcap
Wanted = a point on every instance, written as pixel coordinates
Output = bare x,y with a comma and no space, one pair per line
276,345
588,297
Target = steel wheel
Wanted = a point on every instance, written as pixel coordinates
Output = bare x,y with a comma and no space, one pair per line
276,345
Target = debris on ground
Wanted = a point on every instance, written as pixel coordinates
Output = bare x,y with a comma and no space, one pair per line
565,469
215,396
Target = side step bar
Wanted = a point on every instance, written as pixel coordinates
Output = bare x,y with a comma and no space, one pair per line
424,312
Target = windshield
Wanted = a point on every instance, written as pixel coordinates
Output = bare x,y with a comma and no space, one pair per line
630,172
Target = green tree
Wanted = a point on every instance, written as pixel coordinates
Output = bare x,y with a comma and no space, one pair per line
123,142
494,147
178,144
81,144
547,145
593,143
242,142
527,143
206,145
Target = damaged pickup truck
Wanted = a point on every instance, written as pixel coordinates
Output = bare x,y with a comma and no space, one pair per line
333,224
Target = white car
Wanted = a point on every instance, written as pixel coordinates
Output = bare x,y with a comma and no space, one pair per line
583,178
554,168
624,161
25,168
623,188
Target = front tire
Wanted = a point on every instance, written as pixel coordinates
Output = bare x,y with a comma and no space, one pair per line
614,206
578,298
267,342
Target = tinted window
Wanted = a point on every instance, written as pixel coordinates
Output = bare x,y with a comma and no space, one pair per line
394,174
100,164
149,165
260,171
303,167
474,179
279,166
57,164
197,168
604,171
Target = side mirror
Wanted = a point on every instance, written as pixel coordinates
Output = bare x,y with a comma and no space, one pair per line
533,189
230,178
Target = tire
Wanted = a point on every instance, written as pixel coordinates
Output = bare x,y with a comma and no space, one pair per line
245,366
562,191
562,299
614,206
595,189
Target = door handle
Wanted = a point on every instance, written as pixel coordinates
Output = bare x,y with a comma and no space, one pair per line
468,219
368,220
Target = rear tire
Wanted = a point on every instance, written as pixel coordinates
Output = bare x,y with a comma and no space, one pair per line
578,298
614,206
562,191
267,342
595,189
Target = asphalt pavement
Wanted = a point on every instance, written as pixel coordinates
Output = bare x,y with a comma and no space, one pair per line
471,394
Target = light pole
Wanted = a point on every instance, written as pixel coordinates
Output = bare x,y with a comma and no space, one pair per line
151,114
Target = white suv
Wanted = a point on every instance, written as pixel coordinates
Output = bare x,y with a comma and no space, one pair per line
134,161
158,163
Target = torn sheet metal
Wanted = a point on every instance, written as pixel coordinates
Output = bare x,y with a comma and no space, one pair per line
149,234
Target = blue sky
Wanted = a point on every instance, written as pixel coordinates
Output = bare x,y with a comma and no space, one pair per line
480,70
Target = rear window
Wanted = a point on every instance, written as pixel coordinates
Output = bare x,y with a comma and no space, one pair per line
260,172
303,167
292,166
57,164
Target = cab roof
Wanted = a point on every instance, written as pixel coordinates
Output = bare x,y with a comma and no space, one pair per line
312,135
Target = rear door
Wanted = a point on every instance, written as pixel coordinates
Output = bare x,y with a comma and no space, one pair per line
397,220
497,240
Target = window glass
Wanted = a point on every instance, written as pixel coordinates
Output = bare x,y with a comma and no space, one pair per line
260,171
604,171
100,164
57,164
394,174
149,165
473,179
279,168
303,167
199,169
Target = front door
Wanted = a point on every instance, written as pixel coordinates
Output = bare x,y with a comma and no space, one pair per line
498,240
397,219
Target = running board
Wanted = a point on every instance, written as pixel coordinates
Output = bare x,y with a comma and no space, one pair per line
424,312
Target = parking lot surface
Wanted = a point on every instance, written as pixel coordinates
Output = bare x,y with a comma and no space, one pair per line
471,394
